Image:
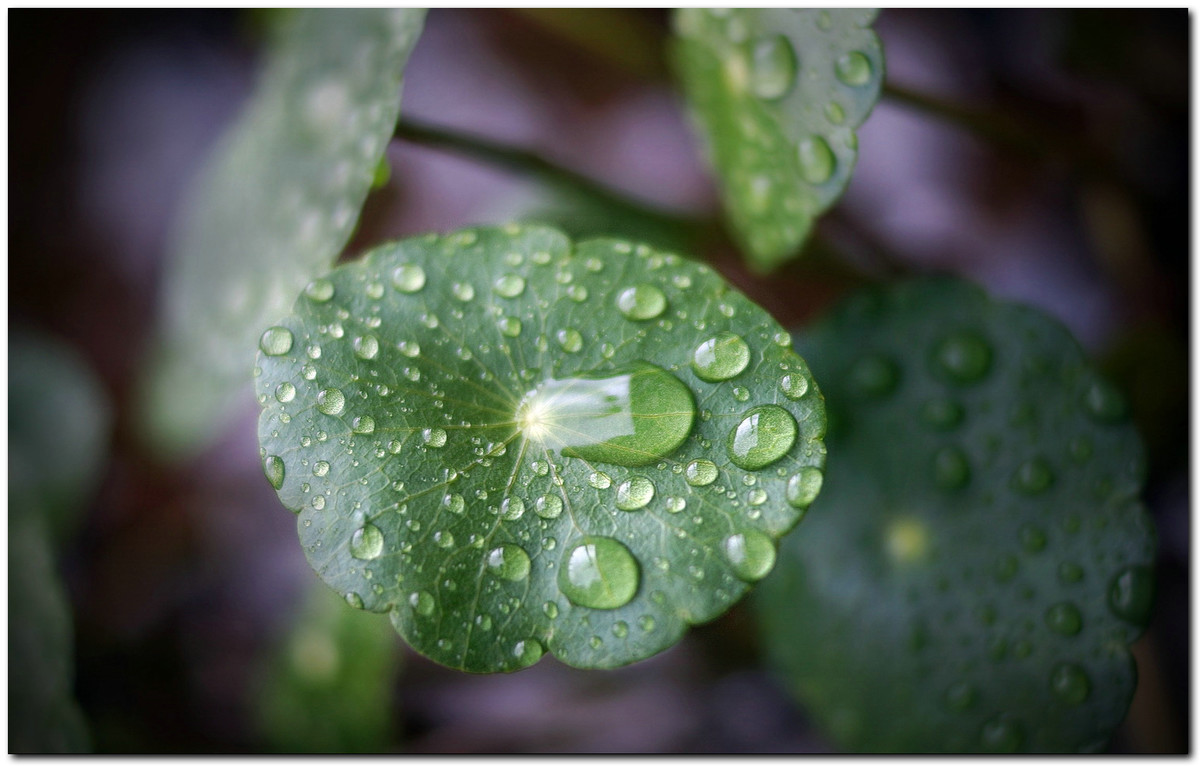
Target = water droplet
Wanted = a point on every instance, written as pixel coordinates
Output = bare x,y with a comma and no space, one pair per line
756,497
509,326
835,113
1070,683
620,629
550,609
764,435
512,508
793,385
1001,734
700,473
599,480
1103,402
960,696
750,553
443,539
1033,477
817,161
629,417
463,291
319,290
773,67
962,357
508,562
803,487
1070,573
548,506
599,573
721,357
874,376
364,424
366,347
1033,539
366,542
422,603
641,302
434,437
942,414
646,623
1005,568
509,286
577,293
634,493
950,468
331,401
1064,618
853,69
318,502
276,341
676,504
408,278
409,348
285,392
569,339
274,470
454,502
527,652
1131,594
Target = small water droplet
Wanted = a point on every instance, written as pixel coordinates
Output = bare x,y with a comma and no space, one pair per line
509,326
548,506
962,357
599,573
854,69
750,553
319,290
942,414
1070,683
641,302
443,539
274,470
409,348
599,480
408,278
318,502
620,629
434,437
422,603
364,424
793,385
1064,618
331,401
577,293
874,376
803,487
646,623
512,508
835,113
366,347
366,543
960,696
569,339
508,562
354,600
1033,538
700,473
764,435
634,493
276,341
464,291
527,652
1070,573
550,609
509,286
1131,594
773,67
721,357
454,502
1005,567
1001,734
951,470
1103,402
676,504
1033,477
817,161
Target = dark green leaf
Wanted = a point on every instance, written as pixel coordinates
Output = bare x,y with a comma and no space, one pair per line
513,444
979,559
277,204
777,94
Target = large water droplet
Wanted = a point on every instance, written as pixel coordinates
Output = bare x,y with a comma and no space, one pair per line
950,468
512,508
331,401
1131,594
548,506
641,301
274,470
434,437
366,542
721,357
276,341
285,392
750,553
764,435
1070,683
508,562
1064,618
364,424
634,493
853,69
408,278
509,286
527,652
630,417
773,67
599,573
803,487
700,473
817,160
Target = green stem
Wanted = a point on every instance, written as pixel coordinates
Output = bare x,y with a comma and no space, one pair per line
533,165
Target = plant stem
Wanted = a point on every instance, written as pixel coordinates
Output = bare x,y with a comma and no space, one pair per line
528,163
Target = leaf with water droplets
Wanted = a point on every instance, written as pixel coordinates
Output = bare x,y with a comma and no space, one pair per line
276,204
777,94
328,686
978,559
565,482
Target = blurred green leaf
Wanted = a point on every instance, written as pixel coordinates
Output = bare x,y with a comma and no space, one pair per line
329,685
979,558
276,204
777,94
514,444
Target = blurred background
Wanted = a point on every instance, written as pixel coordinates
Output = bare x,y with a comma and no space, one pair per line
1043,154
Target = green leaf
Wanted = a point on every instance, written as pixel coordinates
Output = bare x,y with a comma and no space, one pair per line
276,205
777,94
58,430
512,444
43,715
979,558
329,685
